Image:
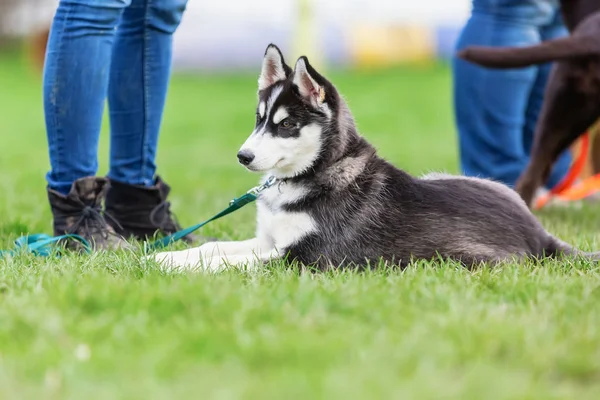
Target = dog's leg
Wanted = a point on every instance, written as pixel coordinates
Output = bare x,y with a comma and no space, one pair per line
202,256
566,114
215,249
190,258
250,260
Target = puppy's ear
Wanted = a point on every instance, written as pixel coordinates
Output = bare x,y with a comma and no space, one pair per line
274,68
307,81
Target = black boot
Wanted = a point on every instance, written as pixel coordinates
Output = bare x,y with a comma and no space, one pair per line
80,213
142,211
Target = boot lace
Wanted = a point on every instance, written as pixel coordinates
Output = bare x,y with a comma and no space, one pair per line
163,218
91,220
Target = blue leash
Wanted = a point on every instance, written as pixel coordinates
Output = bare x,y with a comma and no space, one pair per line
44,245
41,244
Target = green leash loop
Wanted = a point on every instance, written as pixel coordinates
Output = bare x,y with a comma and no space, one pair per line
43,245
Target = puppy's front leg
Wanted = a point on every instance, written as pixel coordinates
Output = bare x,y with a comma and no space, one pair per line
214,249
189,259
198,257
251,260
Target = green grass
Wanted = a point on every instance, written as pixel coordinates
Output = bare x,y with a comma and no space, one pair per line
109,327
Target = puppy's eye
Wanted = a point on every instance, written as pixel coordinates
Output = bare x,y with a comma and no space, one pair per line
286,124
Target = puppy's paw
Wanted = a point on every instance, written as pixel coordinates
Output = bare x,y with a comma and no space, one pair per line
238,262
209,250
184,260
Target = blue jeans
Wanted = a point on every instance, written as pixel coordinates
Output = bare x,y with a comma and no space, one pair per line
115,49
496,110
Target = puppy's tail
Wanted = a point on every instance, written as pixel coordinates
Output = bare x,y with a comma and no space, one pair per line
556,248
516,57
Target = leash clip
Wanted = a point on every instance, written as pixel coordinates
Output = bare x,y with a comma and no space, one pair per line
268,183
255,191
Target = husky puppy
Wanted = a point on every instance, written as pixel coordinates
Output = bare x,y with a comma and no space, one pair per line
335,203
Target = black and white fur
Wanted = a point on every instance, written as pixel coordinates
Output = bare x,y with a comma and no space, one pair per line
336,203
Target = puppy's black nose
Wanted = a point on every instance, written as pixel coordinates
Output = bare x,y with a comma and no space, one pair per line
245,157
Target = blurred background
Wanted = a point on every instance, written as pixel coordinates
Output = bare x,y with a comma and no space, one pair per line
217,35
388,58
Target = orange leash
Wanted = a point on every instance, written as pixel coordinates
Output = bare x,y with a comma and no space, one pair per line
565,189
582,189
577,167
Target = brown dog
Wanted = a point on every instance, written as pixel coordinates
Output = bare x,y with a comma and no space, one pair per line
572,98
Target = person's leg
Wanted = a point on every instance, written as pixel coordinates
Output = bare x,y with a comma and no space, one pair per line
490,105
76,73
139,77
140,72
552,31
76,76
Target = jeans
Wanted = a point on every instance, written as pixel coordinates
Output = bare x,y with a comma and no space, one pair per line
115,49
496,110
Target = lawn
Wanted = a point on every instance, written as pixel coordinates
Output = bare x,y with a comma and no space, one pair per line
106,326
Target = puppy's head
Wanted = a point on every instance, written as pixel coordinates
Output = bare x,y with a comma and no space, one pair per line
296,109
